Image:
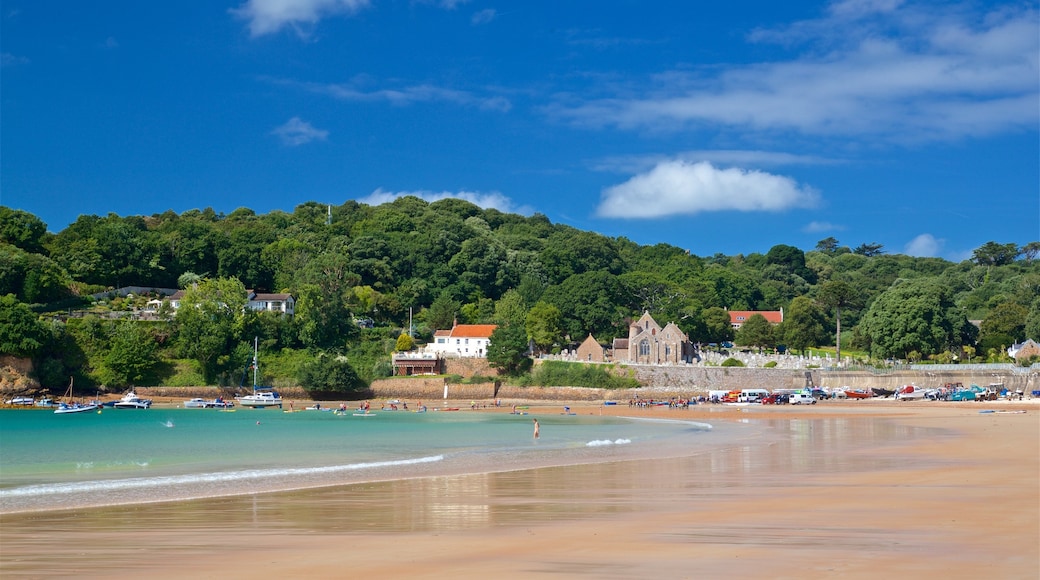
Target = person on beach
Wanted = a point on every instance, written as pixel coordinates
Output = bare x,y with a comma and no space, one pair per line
535,428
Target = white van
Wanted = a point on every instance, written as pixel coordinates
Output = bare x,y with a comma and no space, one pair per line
752,395
802,399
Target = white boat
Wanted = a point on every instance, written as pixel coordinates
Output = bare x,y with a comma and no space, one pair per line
46,402
262,397
21,401
910,393
200,403
132,401
69,406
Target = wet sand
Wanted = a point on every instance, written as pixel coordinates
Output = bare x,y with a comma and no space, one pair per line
851,490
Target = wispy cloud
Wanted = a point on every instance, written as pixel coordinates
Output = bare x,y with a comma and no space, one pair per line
820,227
743,158
7,59
924,246
483,16
445,4
270,16
677,188
486,200
402,96
297,132
866,68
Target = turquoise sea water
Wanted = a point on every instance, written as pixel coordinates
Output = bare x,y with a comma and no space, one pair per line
136,456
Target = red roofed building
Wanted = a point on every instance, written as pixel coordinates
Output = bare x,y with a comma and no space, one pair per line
737,318
464,340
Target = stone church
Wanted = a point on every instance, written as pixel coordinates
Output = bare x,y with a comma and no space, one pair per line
649,343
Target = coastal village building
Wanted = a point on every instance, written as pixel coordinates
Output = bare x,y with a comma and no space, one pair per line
591,351
1024,350
260,302
417,362
737,318
463,340
649,343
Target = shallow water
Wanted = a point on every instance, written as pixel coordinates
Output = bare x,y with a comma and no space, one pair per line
131,456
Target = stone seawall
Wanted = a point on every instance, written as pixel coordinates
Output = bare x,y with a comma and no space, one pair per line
659,382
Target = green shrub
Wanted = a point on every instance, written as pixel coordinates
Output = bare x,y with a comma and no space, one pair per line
568,374
770,364
732,362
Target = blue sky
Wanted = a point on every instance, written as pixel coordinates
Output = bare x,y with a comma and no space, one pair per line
725,128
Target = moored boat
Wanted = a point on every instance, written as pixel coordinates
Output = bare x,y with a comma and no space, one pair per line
858,393
68,406
131,401
200,403
262,397
21,401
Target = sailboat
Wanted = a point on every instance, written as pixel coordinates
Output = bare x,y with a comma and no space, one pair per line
68,406
262,396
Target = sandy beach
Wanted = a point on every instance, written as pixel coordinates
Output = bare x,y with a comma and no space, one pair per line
846,489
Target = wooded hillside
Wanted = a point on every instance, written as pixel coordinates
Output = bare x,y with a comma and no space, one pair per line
451,260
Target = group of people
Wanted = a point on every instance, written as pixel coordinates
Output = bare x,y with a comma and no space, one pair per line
672,403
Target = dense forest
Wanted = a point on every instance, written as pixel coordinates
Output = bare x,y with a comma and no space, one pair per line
371,279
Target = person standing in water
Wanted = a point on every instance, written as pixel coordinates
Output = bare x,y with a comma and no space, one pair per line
535,428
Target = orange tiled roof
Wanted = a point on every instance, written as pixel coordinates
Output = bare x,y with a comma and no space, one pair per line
742,316
473,330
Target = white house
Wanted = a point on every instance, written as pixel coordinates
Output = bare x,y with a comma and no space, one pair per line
283,303
463,340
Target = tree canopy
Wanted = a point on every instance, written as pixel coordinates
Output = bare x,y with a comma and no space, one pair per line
452,260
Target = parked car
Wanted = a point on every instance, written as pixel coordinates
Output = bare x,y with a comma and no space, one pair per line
802,399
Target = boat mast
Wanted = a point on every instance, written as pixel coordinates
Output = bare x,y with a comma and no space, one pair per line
255,350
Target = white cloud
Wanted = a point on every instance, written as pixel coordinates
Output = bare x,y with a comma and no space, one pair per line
403,96
297,132
924,246
677,187
744,158
870,68
483,17
270,16
485,200
819,227
8,59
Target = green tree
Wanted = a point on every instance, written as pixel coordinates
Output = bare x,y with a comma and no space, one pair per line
869,250
508,350
792,259
405,343
589,302
837,294
717,325
21,333
510,309
323,320
209,321
803,324
915,315
1003,326
827,245
756,331
1033,321
329,374
442,312
22,230
131,356
994,254
543,325
33,278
